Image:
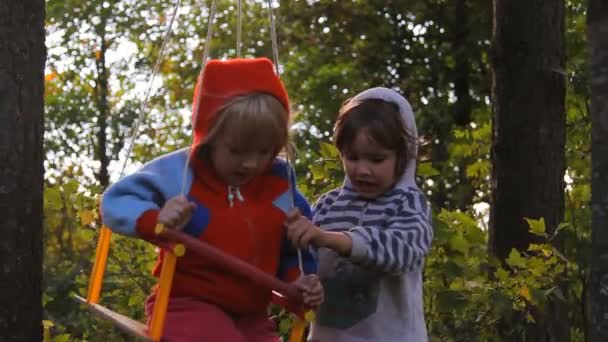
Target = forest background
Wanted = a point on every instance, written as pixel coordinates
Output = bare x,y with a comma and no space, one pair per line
437,53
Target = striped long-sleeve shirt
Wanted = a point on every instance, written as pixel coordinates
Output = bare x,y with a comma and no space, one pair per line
375,294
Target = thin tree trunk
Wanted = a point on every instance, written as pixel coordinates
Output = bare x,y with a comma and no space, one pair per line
22,57
103,117
597,304
462,107
528,140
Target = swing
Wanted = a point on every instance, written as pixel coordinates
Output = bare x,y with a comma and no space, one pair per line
180,242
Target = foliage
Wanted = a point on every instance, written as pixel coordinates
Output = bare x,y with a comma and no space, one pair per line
420,48
469,295
329,50
71,219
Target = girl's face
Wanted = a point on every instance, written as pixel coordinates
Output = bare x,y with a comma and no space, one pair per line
369,166
237,166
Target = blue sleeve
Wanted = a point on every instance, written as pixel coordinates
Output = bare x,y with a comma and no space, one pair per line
289,264
302,204
126,200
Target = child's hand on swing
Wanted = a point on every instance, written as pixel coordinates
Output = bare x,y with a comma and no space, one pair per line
301,232
312,290
176,212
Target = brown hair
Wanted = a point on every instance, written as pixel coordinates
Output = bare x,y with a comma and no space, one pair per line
383,123
251,121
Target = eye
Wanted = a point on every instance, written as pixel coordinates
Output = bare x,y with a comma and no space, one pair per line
377,159
351,157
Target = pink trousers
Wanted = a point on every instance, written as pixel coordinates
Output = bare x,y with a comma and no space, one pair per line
190,320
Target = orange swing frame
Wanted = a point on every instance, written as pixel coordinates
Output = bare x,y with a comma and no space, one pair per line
177,248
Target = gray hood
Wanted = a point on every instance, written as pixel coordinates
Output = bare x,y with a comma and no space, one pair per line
408,179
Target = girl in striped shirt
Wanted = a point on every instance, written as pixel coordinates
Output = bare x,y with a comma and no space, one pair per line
372,233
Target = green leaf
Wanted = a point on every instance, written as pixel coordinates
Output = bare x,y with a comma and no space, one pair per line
285,325
134,300
426,170
502,274
561,226
475,235
329,150
537,227
318,172
480,168
62,338
71,187
449,300
457,284
458,243
515,259
45,299
52,198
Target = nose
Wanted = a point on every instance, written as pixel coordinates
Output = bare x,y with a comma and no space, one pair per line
362,169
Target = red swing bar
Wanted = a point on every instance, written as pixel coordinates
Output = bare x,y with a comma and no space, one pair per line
232,264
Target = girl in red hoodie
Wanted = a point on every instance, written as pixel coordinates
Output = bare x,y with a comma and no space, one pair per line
237,197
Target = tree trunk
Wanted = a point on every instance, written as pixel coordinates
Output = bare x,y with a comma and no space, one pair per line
528,139
462,106
22,57
597,304
101,93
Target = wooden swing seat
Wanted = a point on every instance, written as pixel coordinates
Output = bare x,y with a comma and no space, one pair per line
122,322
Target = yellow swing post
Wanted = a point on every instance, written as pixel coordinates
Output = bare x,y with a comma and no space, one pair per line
299,327
297,331
94,291
99,266
157,322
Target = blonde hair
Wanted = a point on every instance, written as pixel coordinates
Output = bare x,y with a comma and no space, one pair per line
252,121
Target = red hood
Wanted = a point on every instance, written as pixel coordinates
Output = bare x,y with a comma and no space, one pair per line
224,79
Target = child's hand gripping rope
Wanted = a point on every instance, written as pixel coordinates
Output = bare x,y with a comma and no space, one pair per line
176,212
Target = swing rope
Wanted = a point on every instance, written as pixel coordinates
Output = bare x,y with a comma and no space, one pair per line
273,38
239,27
291,173
197,103
309,316
144,106
102,248
275,53
299,328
